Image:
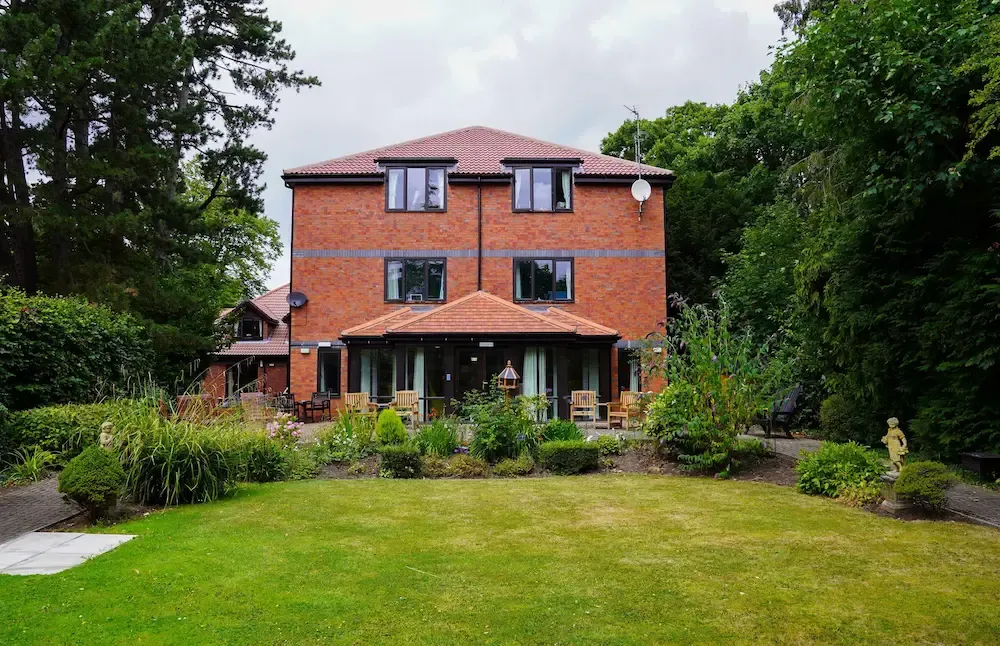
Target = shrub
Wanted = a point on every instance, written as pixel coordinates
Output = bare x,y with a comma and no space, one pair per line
390,429
439,438
93,479
284,429
837,466
925,483
508,468
28,465
503,429
720,381
299,465
68,428
399,460
608,445
860,494
567,457
347,439
434,466
262,460
467,466
61,349
842,420
561,429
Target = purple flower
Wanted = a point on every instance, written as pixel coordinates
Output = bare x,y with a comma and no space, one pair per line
682,345
715,357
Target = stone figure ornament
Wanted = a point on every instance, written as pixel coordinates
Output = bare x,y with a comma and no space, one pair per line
107,435
896,443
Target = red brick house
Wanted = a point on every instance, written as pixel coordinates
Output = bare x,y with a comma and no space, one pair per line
258,358
429,264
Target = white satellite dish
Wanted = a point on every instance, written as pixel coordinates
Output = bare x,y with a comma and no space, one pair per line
641,190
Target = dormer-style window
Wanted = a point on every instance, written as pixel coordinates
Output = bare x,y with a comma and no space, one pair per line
415,188
543,188
250,329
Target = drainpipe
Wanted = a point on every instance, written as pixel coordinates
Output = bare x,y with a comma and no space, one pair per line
479,252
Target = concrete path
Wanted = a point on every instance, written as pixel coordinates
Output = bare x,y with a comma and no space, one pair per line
31,507
52,552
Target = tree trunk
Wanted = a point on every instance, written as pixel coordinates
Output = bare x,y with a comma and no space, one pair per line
20,243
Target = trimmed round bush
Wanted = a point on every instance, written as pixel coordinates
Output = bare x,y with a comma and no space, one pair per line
390,429
925,483
609,445
93,479
568,457
464,465
399,461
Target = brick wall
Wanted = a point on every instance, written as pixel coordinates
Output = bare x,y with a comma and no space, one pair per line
627,294
272,376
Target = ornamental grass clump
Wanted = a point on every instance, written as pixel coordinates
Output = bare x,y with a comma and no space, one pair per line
439,438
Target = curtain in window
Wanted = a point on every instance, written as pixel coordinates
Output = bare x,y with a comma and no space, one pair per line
591,371
634,375
366,372
394,292
522,188
418,378
435,280
529,384
396,188
566,181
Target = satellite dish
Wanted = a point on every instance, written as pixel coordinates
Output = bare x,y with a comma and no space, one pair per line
641,190
297,299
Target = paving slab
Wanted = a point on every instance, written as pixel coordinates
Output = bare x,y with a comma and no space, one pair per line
49,553
28,508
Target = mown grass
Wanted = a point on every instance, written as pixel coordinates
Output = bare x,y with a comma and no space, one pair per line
592,560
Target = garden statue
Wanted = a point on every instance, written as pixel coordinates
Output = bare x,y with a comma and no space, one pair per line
896,442
107,435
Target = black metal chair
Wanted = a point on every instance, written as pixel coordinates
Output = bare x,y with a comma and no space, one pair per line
783,411
319,402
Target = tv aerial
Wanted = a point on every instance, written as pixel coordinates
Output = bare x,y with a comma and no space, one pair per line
641,190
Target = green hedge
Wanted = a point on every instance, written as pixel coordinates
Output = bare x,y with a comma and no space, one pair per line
567,457
925,483
65,429
400,461
56,350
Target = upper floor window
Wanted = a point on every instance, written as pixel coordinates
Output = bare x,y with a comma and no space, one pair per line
250,329
414,279
546,279
543,189
414,188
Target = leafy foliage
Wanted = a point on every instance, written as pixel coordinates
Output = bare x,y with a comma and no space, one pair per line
835,467
568,457
102,101
842,420
390,429
719,381
57,350
65,429
399,461
27,465
609,445
508,468
925,483
439,438
347,439
561,429
93,479
463,465
503,429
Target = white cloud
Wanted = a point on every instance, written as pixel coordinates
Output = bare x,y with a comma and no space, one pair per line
559,70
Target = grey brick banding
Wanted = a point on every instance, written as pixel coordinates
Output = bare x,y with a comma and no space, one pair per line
471,253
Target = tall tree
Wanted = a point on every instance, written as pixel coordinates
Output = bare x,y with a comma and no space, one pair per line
102,103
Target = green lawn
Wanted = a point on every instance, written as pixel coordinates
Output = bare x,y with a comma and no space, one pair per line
607,559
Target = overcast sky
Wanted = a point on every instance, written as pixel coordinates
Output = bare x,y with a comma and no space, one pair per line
558,70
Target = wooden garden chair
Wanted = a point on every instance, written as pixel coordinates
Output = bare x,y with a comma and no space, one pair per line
583,403
407,404
625,409
360,404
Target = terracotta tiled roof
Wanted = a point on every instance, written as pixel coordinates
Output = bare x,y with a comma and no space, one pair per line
274,305
479,151
584,327
377,327
478,313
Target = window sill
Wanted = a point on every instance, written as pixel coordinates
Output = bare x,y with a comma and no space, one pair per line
523,302
434,302
553,212
420,211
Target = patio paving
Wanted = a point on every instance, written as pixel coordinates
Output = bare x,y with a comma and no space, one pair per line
52,552
31,507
